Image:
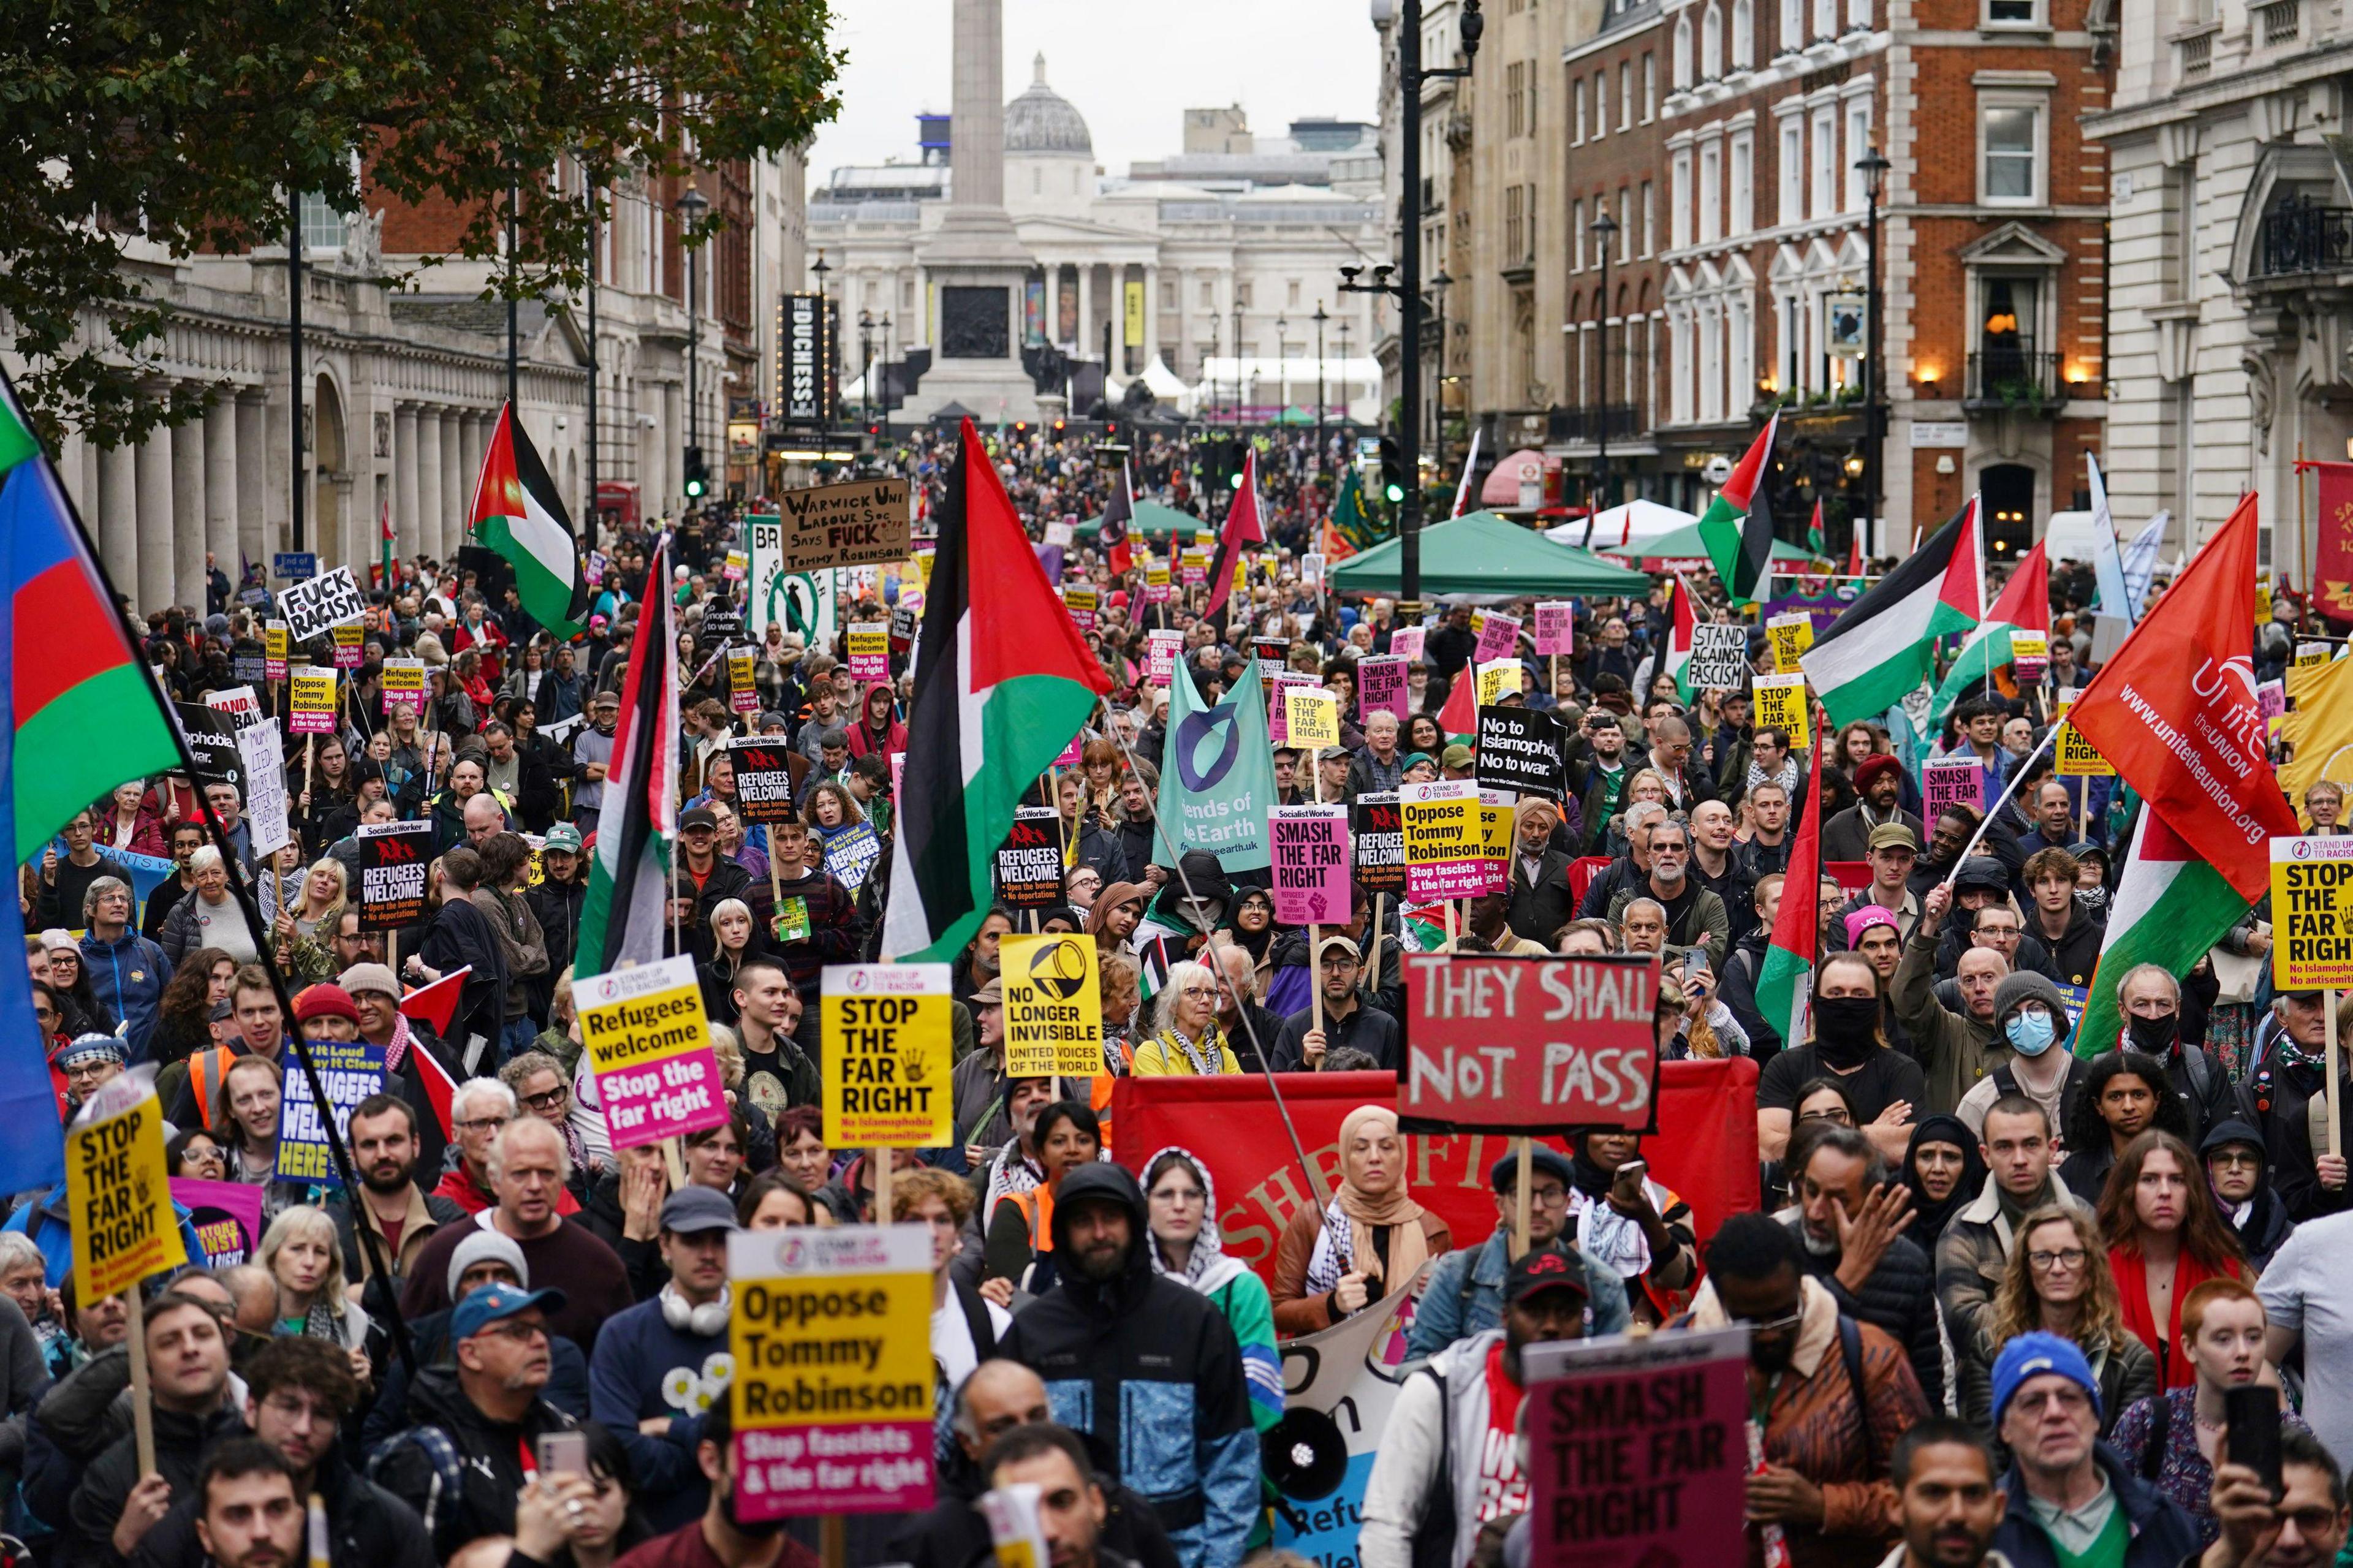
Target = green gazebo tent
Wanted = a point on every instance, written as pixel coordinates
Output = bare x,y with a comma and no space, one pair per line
1153,520
1482,554
1684,544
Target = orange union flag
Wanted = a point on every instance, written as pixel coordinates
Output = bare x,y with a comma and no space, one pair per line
2332,571
2175,711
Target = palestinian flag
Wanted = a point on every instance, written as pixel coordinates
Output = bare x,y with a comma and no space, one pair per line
518,513
2025,605
1738,526
1884,647
1680,639
1118,512
1243,526
2171,907
1003,680
1814,539
1785,985
621,923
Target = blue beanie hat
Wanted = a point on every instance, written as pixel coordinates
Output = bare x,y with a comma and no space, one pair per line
2034,1355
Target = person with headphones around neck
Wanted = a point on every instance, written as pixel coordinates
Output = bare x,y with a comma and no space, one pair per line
658,1365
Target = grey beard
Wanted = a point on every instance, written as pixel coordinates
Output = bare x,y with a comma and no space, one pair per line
1815,1245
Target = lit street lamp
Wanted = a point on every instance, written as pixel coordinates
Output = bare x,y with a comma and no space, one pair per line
1874,180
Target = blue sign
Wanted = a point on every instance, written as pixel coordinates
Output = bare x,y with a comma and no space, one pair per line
295,565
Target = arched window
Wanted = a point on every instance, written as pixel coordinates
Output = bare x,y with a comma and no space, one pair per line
1744,35
1711,44
1682,52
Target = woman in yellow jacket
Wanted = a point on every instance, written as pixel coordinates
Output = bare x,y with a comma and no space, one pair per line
1186,1040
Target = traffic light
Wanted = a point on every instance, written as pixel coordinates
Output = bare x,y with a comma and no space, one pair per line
1393,477
697,477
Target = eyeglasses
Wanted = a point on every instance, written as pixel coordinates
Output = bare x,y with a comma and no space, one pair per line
2066,1397
2237,1159
1197,991
1550,1196
548,1099
1781,1325
2066,1258
479,1123
517,1331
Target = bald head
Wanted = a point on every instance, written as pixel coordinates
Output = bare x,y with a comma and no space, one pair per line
999,1397
1979,972
483,818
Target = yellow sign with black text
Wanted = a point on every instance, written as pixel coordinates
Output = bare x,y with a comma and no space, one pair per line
1313,716
1780,703
1053,1006
119,1195
2312,913
888,1040
1793,635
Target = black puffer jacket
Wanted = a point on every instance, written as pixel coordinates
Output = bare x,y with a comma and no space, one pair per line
372,1528
1899,1298
180,1444
490,1453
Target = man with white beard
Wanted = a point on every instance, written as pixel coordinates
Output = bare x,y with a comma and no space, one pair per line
1696,916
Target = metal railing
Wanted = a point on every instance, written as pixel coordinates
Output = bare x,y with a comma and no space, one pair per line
1618,420
2299,236
2012,374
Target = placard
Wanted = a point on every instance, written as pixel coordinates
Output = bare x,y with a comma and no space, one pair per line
1444,853
1161,651
1029,861
1376,830
1405,642
1062,533
831,1333
1310,845
392,863
1519,750
1380,687
1515,1045
2073,756
888,1053
1639,1450
1155,582
1053,1006
1499,635
273,652
1719,660
404,686
1081,601
311,710
2029,656
2312,913
904,616
247,663
118,1191
743,680
1780,703
1496,678
1951,781
1278,716
870,655
1311,716
763,780
861,523
312,606
350,1071
347,645
265,788
644,1030
1555,627
1311,570
851,853
737,565
1193,568
226,1216
2309,653
1272,653
1790,635
242,703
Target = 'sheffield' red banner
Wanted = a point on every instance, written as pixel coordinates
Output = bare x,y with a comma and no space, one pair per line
1705,1148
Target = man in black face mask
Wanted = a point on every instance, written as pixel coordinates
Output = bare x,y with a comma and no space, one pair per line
1884,1085
2150,999
724,1537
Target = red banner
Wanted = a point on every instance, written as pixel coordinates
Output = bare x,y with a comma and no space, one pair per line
1705,1149
2332,560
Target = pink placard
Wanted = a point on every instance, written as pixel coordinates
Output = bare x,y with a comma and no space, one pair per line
667,1097
227,1217
347,647
1498,636
866,1467
1310,846
1069,756
1555,627
1380,685
1160,662
1952,781
1405,643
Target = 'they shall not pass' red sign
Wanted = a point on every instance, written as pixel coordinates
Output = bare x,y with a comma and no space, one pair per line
1529,1045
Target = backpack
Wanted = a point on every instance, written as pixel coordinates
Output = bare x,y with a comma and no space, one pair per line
1851,1351
1433,1541
448,1472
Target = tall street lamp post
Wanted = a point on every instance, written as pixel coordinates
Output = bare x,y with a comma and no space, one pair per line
1320,318
1874,168
691,206
1605,230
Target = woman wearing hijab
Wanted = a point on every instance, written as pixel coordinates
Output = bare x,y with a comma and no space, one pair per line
878,730
1944,1170
1631,1225
1111,919
2236,1168
1251,927
1371,1239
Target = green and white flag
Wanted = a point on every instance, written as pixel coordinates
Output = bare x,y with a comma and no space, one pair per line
2171,907
1217,773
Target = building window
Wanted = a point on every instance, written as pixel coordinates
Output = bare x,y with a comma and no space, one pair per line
1740,367
1600,103
1826,18
1793,171
1793,25
1208,295
1824,195
1515,83
1624,212
1711,187
1625,95
1242,295
1679,223
322,226
1711,45
1744,35
2010,131
1858,15
1649,88
1857,142
2017,13
1290,294
1167,296
1649,222
1682,51
1514,225
2180,183
1576,236
1743,171
1577,113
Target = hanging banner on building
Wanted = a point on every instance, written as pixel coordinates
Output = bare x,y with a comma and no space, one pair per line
1380,687
392,863
887,1030
118,1194
1029,861
350,1071
1511,1045
322,602
2332,560
1780,703
1053,1006
862,523
645,1031
1310,845
311,710
2312,913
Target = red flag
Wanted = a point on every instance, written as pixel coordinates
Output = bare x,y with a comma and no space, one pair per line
1461,714
437,1004
2332,561
1854,554
2175,711
1243,527
2025,600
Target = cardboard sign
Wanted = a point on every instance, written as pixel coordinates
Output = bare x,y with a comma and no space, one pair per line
1639,1450
1406,642
743,680
392,858
763,780
1162,649
887,1056
1520,751
404,686
1790,635
831,1334
1719,660
118,1195
2312,913
1499,635
273,654
347,645
1497,679
349,1072
1155,582
851,855
1780,703
314,606
1312,717
738,564
1062,533
265,788
862,523
1380,687
644,1028
1193,568
1082,603
1310,845
242,703
1376,828
1053,1006
1555,627
1444,857
311,710
2029,656
226,1216
870,655
1029,861
1512,1044
1951,781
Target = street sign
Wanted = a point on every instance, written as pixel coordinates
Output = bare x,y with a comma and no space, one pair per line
294,565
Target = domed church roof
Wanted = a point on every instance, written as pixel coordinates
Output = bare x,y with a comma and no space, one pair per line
1043,121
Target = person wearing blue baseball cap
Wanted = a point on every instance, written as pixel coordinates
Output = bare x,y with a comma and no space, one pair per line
2073,1502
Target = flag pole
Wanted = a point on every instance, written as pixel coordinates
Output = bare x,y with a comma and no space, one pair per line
2007,790
265,949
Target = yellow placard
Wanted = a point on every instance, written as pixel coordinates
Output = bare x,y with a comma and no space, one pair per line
2309,653
1081,601
1313,716
832,1329
1496,678
348,634
1156,575
2312,913
1204,541
2263,597
311,710
1053,1006
1131,323
1793,635
742,670
888,1053
2025,647
273,642
2073,757
1780,704
1495,828
119,1195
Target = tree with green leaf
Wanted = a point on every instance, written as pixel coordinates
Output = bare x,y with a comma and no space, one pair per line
185,124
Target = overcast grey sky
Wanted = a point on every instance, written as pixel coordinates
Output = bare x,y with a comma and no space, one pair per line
1131,68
